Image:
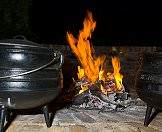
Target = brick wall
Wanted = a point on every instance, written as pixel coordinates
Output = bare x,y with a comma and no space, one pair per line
129,57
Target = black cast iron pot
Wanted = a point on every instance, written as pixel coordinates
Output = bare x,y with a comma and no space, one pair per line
149,82
30,74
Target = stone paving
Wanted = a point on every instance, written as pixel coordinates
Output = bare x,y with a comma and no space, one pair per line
79,120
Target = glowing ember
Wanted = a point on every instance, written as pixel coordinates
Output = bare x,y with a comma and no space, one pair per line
92,67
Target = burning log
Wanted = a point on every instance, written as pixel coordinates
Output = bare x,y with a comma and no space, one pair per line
94,98
114,101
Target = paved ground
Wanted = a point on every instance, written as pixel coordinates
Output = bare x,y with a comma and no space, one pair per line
78,120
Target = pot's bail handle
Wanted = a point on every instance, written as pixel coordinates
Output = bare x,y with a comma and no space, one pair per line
39,68
59,56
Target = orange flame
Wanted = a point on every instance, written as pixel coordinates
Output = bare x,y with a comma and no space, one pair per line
83,50
92,67
118,77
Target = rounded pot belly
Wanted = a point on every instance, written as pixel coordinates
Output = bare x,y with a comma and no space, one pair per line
151,93
149,79
31,90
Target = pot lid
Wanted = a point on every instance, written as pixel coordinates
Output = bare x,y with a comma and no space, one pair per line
19,42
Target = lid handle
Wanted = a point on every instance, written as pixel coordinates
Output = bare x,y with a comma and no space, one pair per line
20,37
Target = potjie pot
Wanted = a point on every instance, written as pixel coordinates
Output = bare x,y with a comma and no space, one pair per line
149,83
30,76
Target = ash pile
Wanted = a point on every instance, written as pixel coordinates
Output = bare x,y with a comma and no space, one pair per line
94,99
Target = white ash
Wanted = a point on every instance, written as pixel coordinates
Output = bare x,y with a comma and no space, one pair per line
94,98
112,101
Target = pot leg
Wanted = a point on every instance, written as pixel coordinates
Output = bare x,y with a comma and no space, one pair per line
48,116
2,117
147,116
8,115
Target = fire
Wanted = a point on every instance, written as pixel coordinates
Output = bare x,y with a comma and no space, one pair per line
84,51
118,77
80,73
92,67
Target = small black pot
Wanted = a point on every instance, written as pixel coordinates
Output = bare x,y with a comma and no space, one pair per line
149,82
30,76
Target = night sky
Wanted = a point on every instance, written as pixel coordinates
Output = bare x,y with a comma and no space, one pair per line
116,20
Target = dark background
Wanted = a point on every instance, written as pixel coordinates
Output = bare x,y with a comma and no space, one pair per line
48,21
